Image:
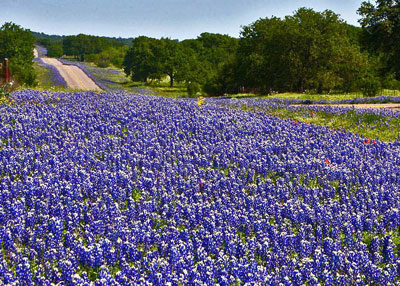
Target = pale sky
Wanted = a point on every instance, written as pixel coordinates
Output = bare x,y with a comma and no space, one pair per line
177,19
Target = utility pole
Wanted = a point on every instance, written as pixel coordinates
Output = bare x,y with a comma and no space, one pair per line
7,71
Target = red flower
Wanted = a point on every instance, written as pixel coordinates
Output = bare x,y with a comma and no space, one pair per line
368,141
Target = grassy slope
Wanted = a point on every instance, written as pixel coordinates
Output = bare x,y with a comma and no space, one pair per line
306,96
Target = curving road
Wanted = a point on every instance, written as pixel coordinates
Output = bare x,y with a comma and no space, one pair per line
73,75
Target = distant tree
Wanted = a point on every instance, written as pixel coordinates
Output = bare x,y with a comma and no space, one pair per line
381,32
82,45
193,62
174,60
140,61
55,50
110,56
306,51
17,45
212,56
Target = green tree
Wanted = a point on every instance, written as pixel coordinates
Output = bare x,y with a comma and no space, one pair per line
17,45
140,61
306,51
55,50
381,32
174,60
82,45
195,62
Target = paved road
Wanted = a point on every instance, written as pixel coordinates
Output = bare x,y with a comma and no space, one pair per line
73,75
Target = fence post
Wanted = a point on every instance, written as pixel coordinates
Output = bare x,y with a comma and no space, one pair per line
7,71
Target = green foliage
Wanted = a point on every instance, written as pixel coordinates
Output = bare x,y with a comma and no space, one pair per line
4,93
381,32
306,51
44,39
370,85
136,195
17,45
193,62
390,82
23,72
193,88
55,50
140,60
82,45
112,56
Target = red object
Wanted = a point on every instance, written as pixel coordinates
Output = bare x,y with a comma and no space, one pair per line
367,141
7,74
327,161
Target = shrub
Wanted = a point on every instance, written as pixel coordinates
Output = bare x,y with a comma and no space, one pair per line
370,86
193,88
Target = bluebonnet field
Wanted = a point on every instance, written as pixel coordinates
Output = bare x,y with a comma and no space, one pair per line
123,189
376,123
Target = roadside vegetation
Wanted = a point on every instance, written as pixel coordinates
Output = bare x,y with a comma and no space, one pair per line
373,124
368,124
16,44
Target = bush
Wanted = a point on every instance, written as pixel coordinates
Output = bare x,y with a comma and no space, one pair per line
370,86
213,88
193,88
23,72
4,90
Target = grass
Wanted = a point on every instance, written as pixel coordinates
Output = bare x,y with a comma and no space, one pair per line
43,78
159,88
367,124
314,97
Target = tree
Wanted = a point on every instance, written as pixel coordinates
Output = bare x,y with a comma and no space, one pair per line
17,45
306,51
83,45
140,61
381,32
55,50
193,62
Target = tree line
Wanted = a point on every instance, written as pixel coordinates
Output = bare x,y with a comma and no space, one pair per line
194,62
308,51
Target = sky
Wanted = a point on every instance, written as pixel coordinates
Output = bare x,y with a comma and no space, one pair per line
176,19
